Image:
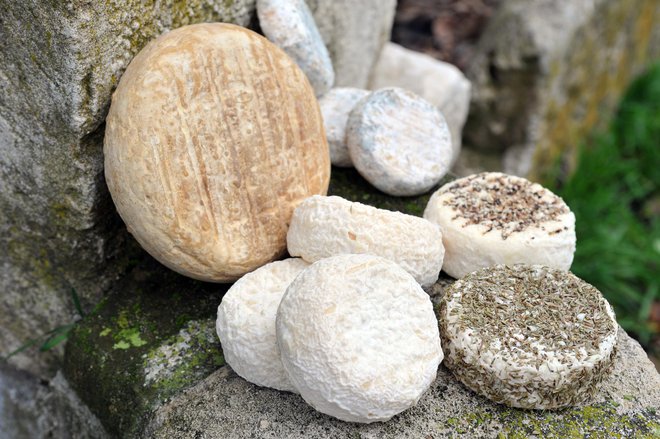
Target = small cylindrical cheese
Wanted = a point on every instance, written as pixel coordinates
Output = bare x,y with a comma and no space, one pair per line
358,338
399,142
528,336
336,105
493,218
246,323
328,226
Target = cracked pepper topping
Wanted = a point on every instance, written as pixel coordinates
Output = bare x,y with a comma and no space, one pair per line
504,203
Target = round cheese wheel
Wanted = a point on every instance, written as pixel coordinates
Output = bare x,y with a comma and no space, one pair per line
358,337
214,135
246,323
528,336
493,218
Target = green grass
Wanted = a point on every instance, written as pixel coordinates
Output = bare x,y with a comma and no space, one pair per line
615,195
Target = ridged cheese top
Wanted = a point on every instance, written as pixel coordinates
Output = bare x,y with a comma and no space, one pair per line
213,136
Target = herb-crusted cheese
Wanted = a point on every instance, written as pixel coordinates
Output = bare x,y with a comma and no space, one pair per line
528,336
493,218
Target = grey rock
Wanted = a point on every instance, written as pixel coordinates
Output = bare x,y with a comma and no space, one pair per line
289,25
59,63
34,408
438,82
548,73
354,33
225,405
398,142
336,105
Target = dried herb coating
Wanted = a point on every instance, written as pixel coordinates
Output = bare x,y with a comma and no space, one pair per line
504,204
528,336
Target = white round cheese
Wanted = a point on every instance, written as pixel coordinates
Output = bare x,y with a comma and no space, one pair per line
246,323
358,338
528,336
493,218
328,226
291,26
336,105
399,142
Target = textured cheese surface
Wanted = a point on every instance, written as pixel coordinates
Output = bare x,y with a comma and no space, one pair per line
329,226
246,323
494,218
290,25
336,105
399,142
528,336
358,338
213,136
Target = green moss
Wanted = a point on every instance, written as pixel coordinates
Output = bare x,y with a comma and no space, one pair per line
349,184
596,421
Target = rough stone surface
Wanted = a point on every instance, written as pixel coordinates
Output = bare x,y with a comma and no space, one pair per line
34,408
225,405
289,25
153,335
336,105
548,72
438,82
59,64
354,33
399,142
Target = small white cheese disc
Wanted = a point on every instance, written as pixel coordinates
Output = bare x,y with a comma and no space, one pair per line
358,338
335,108
290,25
246,323
493,218
329,226
528,336
399,142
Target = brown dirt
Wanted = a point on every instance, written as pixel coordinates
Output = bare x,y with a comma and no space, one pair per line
445,29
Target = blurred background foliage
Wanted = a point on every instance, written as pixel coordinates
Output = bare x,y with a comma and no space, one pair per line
615,195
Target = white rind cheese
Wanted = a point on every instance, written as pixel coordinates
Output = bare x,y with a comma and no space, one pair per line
399,142
336,105
291,26
528,336
327,226
246,323
493,218
358,338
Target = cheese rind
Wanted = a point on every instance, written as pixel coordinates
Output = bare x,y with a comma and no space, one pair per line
329,226
358,338
213,136
246,323
336,105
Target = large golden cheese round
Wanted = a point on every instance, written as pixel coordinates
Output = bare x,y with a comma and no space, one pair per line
213,137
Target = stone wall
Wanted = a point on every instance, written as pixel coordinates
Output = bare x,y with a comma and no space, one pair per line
548,73
59,64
